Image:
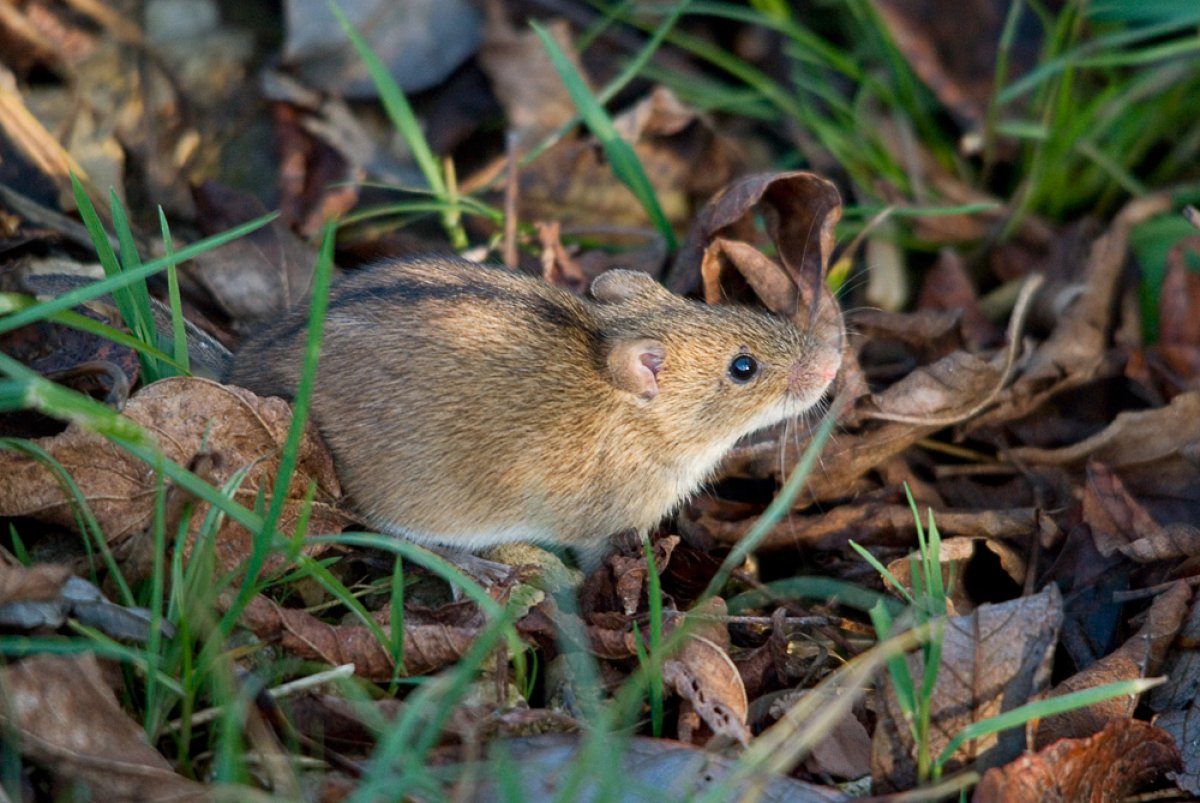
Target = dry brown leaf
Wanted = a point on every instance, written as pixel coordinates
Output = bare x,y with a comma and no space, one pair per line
1183,725
928,334
993,660
947,287
181,414
1111,765
82,361
68,720
769,283
844,752
340,724
801,210
1133,438
629,573
1181,668
1077,352
1114,515
572,182
433,639
871,524
956,554
38,583
1119,522
1178,323
535,100
1140,656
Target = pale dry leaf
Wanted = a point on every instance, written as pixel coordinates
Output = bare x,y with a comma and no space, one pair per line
1159,436
258,275
1077,351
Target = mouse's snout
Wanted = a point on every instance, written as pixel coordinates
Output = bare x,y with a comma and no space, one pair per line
810,375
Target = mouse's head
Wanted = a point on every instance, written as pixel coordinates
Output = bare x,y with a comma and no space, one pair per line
716,372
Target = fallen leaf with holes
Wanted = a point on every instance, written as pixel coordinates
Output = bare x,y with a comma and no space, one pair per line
993,660
183,415
1111,765
713,707
67,719
1140,656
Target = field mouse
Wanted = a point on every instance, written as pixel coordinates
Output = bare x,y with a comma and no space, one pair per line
468,405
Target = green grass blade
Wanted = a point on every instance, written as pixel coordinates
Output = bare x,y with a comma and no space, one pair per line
883,572
400,112
129,259
179,343
621,156
395,103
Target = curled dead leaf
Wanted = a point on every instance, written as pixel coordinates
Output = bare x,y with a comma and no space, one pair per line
1110,765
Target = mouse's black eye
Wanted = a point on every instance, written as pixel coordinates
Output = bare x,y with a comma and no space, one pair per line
743,368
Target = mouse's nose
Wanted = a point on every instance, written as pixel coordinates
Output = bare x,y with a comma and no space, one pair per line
810,375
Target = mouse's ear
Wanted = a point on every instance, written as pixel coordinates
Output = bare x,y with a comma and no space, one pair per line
618,285
634,365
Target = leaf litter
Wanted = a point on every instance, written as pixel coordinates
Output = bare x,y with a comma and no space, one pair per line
1056,446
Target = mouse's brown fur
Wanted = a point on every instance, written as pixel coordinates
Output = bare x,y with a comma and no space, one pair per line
468,405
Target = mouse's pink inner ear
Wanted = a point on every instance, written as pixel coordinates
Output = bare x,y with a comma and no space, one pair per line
634,366
618,285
